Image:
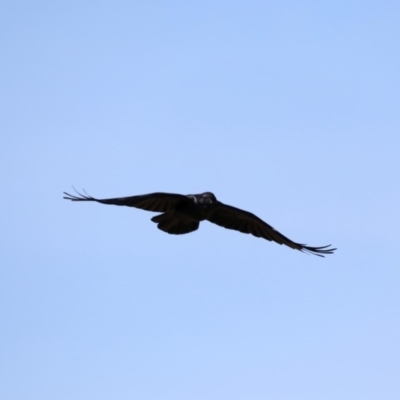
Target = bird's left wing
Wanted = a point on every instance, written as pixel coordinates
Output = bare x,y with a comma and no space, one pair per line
158,202
243,221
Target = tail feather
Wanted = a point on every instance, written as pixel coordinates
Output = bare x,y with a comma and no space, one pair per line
173,224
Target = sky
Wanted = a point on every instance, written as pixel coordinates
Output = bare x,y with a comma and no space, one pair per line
287,109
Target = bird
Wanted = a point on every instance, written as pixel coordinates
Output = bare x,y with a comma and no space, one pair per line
181,214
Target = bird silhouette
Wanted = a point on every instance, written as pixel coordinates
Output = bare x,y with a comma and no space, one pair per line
182,214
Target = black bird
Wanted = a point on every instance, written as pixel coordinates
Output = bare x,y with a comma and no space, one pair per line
183,214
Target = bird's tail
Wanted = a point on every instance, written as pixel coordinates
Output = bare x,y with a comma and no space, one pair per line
174,224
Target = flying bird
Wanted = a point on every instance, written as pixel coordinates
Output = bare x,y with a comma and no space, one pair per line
182,214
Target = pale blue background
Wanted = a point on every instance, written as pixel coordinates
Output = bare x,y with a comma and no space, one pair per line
287,109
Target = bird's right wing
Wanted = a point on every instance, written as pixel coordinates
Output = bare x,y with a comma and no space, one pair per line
158,202
243,221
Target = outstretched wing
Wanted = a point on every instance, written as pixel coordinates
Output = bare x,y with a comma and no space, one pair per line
158,202
243,221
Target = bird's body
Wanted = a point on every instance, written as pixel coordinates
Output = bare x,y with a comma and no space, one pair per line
182,214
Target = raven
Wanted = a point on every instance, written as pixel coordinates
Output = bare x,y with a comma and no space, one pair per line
182,214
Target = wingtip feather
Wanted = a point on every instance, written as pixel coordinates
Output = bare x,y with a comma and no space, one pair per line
320,251
80,197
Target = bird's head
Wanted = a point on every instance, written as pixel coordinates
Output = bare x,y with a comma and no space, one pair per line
207,198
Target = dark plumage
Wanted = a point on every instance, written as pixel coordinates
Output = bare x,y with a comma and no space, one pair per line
183,214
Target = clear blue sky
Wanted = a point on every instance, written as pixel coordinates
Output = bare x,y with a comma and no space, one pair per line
287,109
